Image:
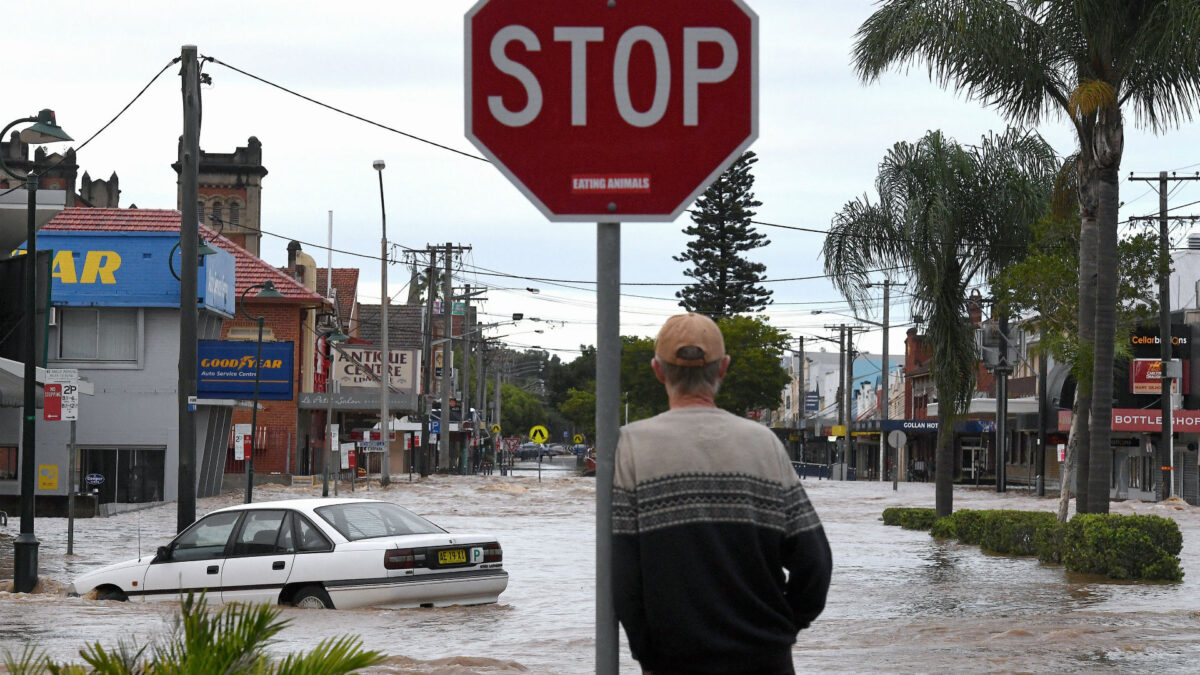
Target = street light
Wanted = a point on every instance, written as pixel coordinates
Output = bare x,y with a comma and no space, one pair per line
385,356
336,336
25,547
268,291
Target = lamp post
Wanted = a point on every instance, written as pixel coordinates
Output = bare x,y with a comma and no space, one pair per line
268,291
385,356
25,547
335,336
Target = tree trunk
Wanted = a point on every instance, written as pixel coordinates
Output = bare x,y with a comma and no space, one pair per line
944,471
1088,235
1067,466
1109,144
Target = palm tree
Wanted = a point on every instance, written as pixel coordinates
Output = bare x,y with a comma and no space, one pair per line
950,215
1084,60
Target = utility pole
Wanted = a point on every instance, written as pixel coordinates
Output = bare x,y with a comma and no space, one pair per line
426,366
803,398
1043,414
843,400
1003,368
1169,372
447,355
189,219
480,395
464,464
499,448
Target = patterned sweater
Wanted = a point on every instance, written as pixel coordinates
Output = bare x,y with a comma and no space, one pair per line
718,557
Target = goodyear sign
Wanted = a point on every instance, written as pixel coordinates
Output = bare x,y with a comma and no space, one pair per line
131,269
226,370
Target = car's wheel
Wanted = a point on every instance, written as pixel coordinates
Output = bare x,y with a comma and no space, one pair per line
110,593
312,597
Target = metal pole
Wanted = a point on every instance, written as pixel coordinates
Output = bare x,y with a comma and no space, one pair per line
1167,452
189,194
329,365
847,409
25,547
1043,415
480,397
385,352
608,399
463,463
1002,370
72,483
447,354
254,417
884,404
803,399
499,437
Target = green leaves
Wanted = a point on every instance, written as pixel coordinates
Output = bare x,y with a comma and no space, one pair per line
231,640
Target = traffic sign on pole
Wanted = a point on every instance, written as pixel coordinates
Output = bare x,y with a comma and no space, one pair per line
611,112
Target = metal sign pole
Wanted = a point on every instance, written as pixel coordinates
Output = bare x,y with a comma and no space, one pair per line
608,399
71,478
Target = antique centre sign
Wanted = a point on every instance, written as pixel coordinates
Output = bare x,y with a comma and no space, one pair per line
357,366
611,111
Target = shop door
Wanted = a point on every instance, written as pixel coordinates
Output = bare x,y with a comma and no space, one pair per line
102,461
974,457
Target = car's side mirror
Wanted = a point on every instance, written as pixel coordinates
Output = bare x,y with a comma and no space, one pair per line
163,555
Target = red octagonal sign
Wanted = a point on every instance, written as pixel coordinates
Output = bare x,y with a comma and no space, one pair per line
611,110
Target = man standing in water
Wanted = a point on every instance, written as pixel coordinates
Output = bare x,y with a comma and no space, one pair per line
718,557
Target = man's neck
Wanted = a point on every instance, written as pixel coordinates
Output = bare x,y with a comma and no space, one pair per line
690,401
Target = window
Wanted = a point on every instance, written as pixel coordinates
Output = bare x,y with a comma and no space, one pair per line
8,462
311,538
98,334
365,520
200,210
235,213
260,530
206,539
216,213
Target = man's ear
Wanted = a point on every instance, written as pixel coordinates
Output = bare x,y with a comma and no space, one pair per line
724,366
658,372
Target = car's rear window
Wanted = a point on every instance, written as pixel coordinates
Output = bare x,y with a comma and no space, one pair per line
362,520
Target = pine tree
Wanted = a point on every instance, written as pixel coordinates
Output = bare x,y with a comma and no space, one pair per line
725,282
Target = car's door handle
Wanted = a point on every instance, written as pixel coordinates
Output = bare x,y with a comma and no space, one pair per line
277,565
213,569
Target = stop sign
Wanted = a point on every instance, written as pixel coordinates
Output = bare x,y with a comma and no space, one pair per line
611,110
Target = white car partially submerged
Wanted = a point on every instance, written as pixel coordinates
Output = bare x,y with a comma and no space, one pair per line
319,553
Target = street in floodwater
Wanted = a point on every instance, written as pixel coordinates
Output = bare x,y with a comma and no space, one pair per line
900,601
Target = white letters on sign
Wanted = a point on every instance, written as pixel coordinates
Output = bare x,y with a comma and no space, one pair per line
578,37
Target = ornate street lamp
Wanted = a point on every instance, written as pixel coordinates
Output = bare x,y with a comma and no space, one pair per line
268,291
25,548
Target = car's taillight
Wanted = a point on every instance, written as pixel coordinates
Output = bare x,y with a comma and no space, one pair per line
492,553
399,559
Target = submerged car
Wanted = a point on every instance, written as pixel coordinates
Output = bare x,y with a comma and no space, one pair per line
318,553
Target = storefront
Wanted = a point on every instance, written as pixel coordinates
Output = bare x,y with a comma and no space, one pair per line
115,319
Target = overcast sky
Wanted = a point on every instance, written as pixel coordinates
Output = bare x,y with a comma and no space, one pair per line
822,134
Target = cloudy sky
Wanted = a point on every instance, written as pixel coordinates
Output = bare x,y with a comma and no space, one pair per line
400,63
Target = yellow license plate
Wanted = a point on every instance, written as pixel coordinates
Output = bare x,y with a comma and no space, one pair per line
452,556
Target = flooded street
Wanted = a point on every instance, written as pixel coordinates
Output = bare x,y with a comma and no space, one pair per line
901,601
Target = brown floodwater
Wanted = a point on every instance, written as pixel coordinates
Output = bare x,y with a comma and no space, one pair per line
900,601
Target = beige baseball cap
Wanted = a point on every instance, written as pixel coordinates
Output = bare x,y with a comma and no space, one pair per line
689,330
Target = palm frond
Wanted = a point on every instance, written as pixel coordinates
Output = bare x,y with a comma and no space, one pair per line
1089,97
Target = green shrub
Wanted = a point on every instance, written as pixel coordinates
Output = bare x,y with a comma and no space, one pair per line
1124,547
1049,542
943,528
1013,532
909,518
965,525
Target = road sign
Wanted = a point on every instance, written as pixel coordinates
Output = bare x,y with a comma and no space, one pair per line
372,444
611,112
896,438
495,428
52,402
435,426
68,381
94,479
539,434
578,439
241,441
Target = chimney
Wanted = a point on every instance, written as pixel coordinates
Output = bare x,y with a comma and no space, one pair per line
293,248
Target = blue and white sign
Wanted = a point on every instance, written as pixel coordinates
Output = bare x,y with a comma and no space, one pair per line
94,479
435,426
812,402
226,370
131,269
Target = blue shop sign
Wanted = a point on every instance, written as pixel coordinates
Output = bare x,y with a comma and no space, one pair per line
132,269
226,370
812,402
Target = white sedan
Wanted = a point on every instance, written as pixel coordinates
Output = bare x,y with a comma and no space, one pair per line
319,553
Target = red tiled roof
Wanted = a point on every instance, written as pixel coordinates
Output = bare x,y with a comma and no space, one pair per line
250,269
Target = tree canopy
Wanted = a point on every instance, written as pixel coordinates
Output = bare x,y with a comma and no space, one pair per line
725,282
